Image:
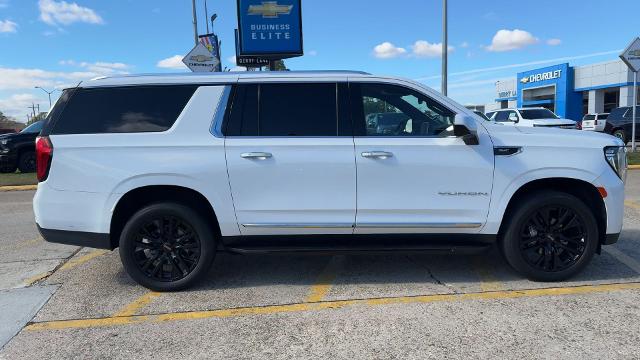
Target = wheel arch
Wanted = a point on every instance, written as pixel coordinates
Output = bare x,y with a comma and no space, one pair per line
139,197
581,189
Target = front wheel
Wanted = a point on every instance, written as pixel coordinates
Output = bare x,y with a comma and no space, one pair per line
167,247
551,236
27,162
620,134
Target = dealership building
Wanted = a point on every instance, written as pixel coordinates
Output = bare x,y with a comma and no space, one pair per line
569,91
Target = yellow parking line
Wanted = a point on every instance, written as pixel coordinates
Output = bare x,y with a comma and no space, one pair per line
34,279
18,188
325,279
623,258
488,280
82,259
278,309
137,304
632,204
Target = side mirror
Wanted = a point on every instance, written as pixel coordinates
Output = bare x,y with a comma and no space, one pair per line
465,127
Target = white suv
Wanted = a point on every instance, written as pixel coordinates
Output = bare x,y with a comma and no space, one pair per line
174,168
533,116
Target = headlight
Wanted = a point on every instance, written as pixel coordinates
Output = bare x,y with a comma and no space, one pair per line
617,157
4,142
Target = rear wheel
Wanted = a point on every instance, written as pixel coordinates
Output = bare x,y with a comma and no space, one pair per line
551,236
8,169
167,247
620,134
27,162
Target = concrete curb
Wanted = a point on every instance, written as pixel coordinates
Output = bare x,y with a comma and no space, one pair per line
18,188
634,167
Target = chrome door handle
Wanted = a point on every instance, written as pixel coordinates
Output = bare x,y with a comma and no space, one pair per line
377,154
256,155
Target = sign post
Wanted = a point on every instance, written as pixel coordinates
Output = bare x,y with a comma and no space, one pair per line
269,29
631,57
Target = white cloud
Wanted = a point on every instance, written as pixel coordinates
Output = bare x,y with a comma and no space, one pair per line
387,50
8,26
422,48
232,59
16,105
554,42
64,13
312,53
506,40
464,44
173,62
4,4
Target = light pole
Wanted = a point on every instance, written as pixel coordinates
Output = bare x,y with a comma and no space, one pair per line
195,22
48,93
445,47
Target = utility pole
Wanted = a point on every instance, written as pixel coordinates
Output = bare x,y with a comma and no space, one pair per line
33,109
206,16
445,48
195,22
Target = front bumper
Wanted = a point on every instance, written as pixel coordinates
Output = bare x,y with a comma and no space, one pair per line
77,238
7,159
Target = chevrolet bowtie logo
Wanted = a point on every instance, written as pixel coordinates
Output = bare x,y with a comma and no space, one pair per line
270,9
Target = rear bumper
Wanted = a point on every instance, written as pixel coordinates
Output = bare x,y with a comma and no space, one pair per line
77,238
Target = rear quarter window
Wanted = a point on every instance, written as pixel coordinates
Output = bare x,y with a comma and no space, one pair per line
122,109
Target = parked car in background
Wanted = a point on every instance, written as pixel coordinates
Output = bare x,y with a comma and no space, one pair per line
481,114
275,161
7,131
619,123
594,122
18,150
533,116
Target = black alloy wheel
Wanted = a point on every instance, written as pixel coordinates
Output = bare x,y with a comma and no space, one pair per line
553,238
167,246
549,236
27,162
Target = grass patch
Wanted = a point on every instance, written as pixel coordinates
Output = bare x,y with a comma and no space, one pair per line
18,178
634,157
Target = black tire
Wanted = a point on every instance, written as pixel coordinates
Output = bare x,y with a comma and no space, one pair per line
167,247
27,162
550,236
620,134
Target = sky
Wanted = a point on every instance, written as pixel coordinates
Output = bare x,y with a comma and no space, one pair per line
56,44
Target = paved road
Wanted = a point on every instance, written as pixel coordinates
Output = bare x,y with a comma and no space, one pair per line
341,306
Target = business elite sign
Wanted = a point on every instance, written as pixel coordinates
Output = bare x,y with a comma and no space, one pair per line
270,29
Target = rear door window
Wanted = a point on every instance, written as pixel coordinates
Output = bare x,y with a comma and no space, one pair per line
133,109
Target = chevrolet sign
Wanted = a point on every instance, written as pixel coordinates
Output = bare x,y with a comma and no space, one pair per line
549,75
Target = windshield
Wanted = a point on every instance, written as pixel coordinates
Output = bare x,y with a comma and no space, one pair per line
538,114
36,127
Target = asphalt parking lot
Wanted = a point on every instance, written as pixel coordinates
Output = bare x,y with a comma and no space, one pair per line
300,306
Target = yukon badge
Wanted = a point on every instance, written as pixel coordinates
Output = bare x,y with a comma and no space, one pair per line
459,193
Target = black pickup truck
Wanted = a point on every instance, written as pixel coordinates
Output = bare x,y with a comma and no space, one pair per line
18,150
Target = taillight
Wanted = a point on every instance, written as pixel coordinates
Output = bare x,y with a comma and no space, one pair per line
44,154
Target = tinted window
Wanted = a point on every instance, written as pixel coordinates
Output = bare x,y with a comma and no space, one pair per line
298,110
538,114
589,117
34,128
603,116
389,110
502,116
122,110
490,114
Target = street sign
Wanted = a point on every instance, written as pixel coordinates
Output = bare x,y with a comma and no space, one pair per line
210,41
248,61
199,59
270,29
631,55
